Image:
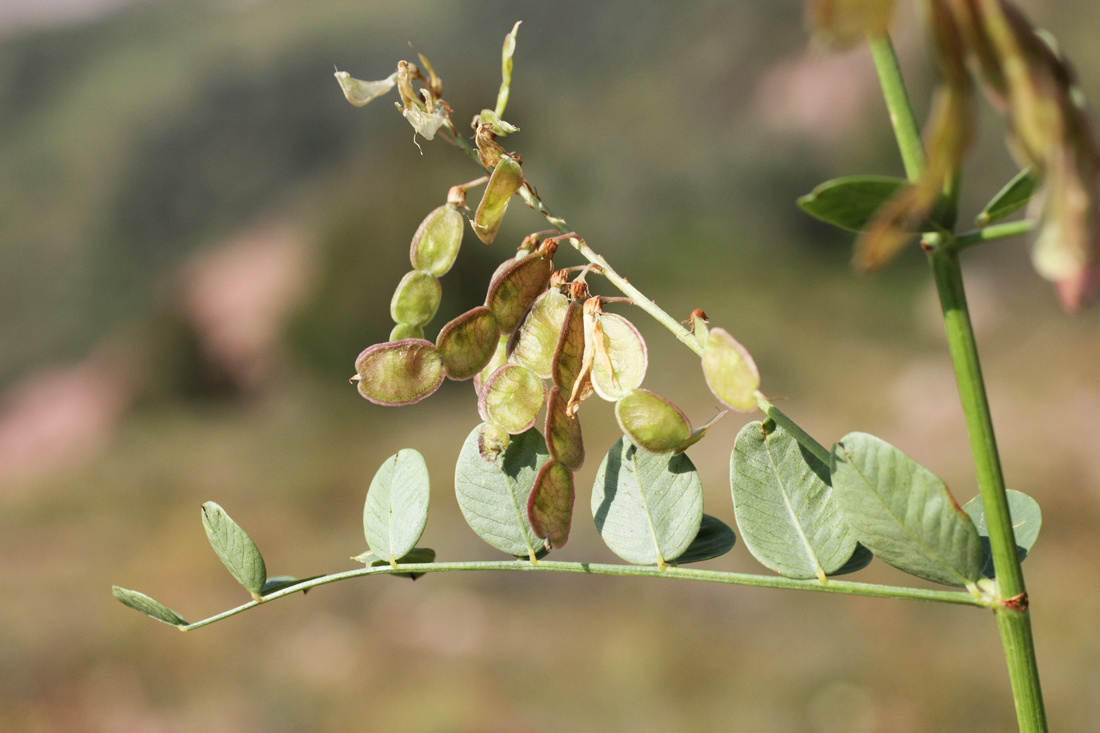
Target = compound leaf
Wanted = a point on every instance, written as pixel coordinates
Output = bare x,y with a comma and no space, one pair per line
715,539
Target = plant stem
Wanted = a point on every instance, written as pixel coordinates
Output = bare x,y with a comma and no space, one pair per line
1013,620
804,439
991,233
711,576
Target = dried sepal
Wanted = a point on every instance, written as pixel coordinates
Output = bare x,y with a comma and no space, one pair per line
550,504
467,343
652,422
506,180
416,298
360,92
730,371
563,431
515,287
535,341
512,398
492,441
425,112
437,240
399,373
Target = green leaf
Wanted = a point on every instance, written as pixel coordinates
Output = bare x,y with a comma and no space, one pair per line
861,558
284,581
850,202
1010,199
1027,519
784,505
145,604
648,508
493,491
397,505
715,539
236,550
903,512
416,556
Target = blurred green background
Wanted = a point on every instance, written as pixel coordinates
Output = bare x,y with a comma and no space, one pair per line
198,235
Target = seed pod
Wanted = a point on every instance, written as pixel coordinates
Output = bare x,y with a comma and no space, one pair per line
405,331
437,240
506,179
621,366
569,351
550,505
399,372
516,287
499,359
730,371
534,342
467,343
416,299
512,398
652,422
563,431
492,441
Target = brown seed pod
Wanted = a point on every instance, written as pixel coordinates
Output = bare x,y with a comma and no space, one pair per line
550,504
515,288
416,298
569,352
467,343
437,241
563,431
399,373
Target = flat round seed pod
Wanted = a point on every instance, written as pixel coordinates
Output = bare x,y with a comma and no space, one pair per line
405,331
437,240
399,372
563,432
629,358
730,371
506,179
499,359
569,352
416,299
492,441
533,344
515,288
512,398
468,342
652,422
550,505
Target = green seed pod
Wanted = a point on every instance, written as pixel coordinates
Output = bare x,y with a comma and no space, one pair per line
512,398
399,372
533,344
651,422
416,299
405,331
437,240
506,179
492,441
550,504
468,342
626,351
515,288
569,352
730,371
563,431
499,359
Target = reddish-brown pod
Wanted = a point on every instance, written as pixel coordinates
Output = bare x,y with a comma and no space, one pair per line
399,373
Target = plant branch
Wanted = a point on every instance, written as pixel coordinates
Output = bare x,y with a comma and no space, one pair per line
991,233
902,118
711,576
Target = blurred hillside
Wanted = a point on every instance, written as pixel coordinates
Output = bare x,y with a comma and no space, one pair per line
198,234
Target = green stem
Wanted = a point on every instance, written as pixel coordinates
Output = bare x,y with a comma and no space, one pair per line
1012,616
804,439
902,119
991,233
637,571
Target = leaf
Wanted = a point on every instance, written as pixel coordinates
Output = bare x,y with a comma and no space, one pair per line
730,371
861,558
236,549
1010,199
550,506
715,539
850,202
416,556
648,508
398,373
903,513
145,604
1027,519
493,492
397,505
282,581
784,505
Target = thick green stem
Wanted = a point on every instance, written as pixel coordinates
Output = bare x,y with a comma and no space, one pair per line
992,233
1011,610
1012,616
710,576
